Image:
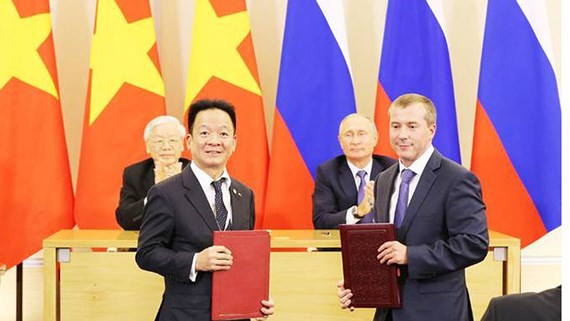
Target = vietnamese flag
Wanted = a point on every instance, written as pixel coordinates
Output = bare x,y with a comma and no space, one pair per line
125,92
36,194
222,66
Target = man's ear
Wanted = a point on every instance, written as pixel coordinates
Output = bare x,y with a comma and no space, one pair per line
433,127
188,139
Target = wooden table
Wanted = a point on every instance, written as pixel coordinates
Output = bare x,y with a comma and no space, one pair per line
84,281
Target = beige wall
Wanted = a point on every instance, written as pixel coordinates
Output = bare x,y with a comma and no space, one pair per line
73,26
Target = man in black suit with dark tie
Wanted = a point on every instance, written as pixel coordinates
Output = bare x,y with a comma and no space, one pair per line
182,212
164,140
340,195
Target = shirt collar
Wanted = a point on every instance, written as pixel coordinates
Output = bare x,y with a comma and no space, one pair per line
205,180
419,164
354,169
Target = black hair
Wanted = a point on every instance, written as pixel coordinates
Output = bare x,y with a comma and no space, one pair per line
205,104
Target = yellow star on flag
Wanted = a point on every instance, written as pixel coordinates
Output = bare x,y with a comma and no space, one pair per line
119,54
20,39
214,51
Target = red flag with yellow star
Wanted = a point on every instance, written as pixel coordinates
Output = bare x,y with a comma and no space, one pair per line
125,92
222,66
36,194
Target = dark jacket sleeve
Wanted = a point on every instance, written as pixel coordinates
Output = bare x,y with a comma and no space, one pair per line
326,214
131,203
490,312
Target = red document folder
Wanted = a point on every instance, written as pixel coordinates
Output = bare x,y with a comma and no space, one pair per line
373,285
237,292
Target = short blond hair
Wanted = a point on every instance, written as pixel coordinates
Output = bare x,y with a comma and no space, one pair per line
406,100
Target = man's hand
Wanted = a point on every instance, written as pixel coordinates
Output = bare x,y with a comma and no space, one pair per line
163,171
214,258
393,252
267,309
367,201
344,295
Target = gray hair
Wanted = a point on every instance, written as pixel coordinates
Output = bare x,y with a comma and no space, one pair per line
160,120
372,124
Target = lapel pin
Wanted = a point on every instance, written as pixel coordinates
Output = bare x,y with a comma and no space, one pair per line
236,192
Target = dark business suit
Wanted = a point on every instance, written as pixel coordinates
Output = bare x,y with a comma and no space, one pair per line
542,306
335,191
178,223
137,180
445,231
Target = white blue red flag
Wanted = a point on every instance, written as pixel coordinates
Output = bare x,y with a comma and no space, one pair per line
517,135
314,94
415,59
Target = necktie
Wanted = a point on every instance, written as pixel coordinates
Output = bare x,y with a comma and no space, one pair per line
402,204
361,191
221,211
362,186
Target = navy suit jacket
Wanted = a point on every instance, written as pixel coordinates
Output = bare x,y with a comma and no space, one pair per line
445,231
137,180
178,223
335,191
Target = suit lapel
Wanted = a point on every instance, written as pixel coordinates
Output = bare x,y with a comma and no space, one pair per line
384,188
422,190
148,180
148,174
197,198
346,181
376,169
239,208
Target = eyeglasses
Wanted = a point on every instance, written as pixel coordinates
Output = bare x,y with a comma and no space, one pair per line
159,142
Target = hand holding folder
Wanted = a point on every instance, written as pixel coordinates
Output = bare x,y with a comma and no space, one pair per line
373,284
237,293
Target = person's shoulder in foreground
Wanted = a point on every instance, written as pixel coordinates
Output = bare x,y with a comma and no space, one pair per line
531,306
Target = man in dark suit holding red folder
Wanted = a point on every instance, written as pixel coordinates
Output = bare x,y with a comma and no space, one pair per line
441,223
176,235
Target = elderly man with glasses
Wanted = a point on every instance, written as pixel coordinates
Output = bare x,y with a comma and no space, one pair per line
164,139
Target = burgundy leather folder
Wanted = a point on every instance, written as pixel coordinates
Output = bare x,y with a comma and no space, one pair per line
373,285
237,292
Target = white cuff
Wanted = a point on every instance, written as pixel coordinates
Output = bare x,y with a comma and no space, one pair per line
350,219
193,273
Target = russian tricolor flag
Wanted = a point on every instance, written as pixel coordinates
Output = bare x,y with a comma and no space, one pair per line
314,94
415,59
517,139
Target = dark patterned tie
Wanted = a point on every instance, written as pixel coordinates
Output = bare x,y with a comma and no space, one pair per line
361,191
402,204
221,211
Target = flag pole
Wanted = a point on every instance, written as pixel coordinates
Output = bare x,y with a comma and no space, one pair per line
19,291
